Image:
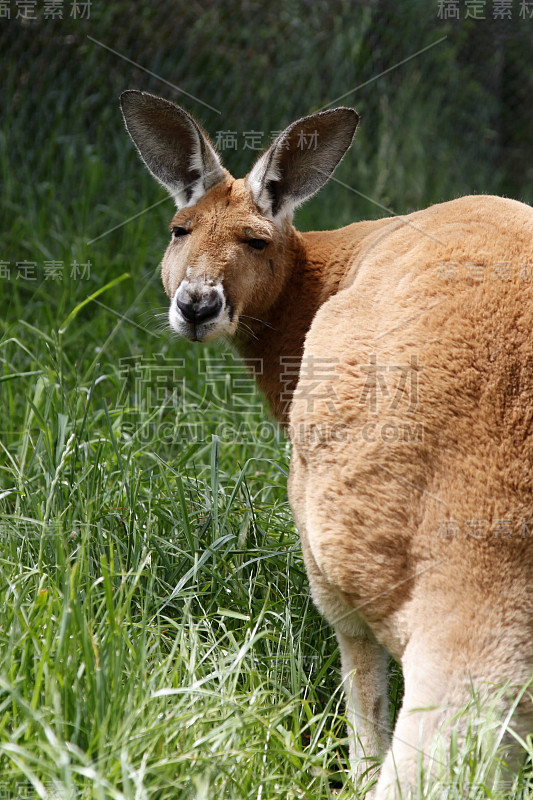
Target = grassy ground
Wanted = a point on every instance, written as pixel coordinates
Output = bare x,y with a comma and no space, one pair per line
157,639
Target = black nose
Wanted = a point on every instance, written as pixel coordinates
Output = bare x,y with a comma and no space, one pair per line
200,310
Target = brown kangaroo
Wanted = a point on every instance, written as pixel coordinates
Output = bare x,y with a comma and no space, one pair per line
411,418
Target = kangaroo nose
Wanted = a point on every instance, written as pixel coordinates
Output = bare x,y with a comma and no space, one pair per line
201,310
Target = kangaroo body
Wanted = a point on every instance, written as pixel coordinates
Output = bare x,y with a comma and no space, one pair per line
398,354
415,510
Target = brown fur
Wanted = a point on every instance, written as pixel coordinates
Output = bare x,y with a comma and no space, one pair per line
375,485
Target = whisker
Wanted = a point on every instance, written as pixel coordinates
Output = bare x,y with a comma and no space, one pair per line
256,319
244,328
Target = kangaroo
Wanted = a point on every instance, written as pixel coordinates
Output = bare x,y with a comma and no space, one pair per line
410,412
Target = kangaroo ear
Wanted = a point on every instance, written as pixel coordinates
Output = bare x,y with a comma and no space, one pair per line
172,145
300,160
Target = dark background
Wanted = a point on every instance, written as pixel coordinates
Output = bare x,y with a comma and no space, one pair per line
454,119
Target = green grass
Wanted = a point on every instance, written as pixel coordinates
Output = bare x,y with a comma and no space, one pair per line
157,638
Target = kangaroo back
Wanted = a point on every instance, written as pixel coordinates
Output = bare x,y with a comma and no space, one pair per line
411,471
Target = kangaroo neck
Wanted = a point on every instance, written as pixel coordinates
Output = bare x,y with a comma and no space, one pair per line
274,352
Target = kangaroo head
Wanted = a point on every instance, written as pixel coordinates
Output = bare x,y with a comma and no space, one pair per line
230,248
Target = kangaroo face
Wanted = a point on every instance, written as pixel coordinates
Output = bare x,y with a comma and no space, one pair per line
229,257
224,263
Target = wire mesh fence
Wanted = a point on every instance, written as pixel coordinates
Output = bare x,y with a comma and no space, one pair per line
443,88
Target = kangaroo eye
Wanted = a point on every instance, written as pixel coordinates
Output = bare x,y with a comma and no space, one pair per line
257,244
180,231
